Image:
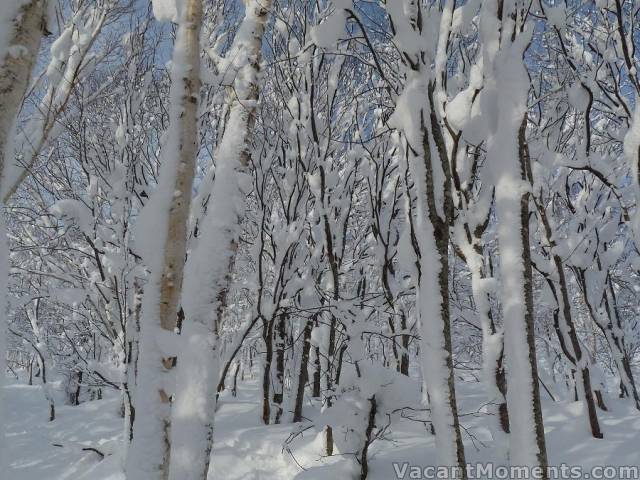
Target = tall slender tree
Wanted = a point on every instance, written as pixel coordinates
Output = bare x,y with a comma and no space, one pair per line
162,232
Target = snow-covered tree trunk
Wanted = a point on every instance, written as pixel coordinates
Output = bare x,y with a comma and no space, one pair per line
632,154
433,312
472,222
44,356
210,265
70,63
417,118
21,28
23,24
566,330
611,327
492,346
614,333
505,37
163,232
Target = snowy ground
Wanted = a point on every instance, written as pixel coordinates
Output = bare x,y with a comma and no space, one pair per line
246,450
38,449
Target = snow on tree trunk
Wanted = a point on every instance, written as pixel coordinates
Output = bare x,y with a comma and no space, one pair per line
44,356
505,98
162,236
610,325
566,331
70,63
416,117
21,28
435,332
632,153
210,264
20,35
492,348
4,277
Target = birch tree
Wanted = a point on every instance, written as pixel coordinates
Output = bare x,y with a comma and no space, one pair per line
505,35
210,266
162,232
417,116
22,25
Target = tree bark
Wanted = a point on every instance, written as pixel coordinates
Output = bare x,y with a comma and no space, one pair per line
278,388
15,70
210,267
150,452
303,374
565,328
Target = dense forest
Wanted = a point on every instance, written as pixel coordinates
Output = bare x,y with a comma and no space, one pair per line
312,239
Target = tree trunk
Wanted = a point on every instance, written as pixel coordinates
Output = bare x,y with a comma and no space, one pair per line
565,328
492,348
371,424
15,72
316,373
404,352
132,341
209,270
428,160
267,336
234,388
303,374
433,288
75,397
278,387
512,208
149,455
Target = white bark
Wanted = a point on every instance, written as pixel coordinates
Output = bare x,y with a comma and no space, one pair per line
507,89
70,63
163,226
16,65
209,268
20,34
430,169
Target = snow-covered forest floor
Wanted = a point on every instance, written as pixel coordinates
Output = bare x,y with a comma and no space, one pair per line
245,449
